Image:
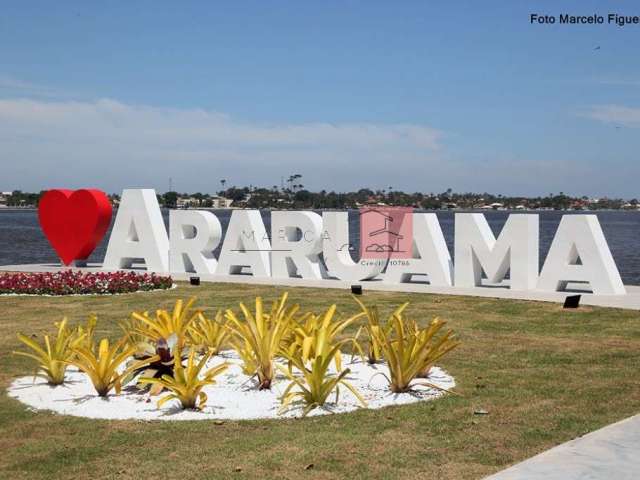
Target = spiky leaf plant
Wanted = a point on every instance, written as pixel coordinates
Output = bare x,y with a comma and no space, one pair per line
315,332
374,327
161,361
316,383
85,333
165,324
131,328
186,384
155,340
102,364
54,354
438,347
258,338
207,334
409,351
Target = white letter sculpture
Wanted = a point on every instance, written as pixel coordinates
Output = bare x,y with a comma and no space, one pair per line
516,250
430,254
580,236
246,244
335,250
297,243
193,235
138,233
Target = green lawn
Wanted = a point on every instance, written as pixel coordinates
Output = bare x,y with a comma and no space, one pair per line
544,375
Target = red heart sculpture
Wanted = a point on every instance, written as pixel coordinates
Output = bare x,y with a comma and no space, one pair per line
74,222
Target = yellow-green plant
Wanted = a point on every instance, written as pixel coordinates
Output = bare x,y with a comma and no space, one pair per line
315,332
409,351
165,324
131,328
316,383
84,333
259,337
250,363
374,327
208,335
54,354
102,364
438,347
186,384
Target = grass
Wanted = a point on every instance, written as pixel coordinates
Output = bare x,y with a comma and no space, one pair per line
544,375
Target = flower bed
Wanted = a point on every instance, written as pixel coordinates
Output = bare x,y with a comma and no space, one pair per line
235,396
281,362
70,282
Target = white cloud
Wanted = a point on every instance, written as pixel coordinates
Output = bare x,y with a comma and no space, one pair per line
113,145
110,119
12,85
616,114
117,144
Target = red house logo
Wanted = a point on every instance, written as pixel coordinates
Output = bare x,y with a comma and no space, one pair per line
386,232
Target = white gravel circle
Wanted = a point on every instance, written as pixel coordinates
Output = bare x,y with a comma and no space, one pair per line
233,397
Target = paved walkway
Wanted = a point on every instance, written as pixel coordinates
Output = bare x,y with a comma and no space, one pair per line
612,452
629,301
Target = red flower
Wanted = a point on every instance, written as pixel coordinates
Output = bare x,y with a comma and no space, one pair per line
70,282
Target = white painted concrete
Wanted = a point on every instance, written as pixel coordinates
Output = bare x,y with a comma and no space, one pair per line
611,452
194,235
631,300
515,250
138,232
580,236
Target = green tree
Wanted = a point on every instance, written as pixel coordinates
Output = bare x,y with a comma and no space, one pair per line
170,199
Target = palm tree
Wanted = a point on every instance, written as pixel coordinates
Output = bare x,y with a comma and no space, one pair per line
291,181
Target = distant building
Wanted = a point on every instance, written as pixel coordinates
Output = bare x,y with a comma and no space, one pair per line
187,202
214,201
4,198
220,202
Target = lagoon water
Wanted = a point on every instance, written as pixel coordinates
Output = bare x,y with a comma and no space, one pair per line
22,241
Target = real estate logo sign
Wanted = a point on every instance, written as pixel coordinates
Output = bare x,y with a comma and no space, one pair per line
386,232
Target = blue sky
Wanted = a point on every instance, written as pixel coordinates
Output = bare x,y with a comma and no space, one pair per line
420,96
